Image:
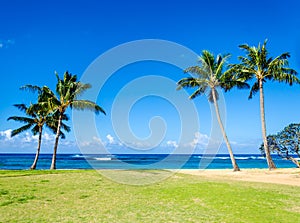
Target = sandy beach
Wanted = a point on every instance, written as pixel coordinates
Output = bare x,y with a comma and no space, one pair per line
286,176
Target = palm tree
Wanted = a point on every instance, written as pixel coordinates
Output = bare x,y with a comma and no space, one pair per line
258,66
209,76
68,90
37,117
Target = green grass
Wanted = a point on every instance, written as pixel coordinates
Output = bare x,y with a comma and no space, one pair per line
86,196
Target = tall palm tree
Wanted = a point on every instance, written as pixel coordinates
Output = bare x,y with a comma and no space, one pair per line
68,90
36,117
209,76
258,66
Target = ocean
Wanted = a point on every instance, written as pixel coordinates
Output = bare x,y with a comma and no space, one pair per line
138,161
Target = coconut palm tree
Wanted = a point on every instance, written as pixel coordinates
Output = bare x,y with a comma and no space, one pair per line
68,90
256,65
209,76
36,117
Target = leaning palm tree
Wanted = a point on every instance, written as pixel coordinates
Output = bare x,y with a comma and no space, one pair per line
68,90
209,76
258,66
36,117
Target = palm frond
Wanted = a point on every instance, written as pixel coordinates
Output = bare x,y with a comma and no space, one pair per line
208,59
47,92
35,130
65,117
48,100
189,82
254,89
35,110
245,47
21,129
53,127
59,85
283,56
81,88
22,119
240,72
199,71
52,119
199,91
31,88
210,95
288,76
87,105
65,127
69,78
252,56
21,107
278,70
241,84
228,84
221,60
250,63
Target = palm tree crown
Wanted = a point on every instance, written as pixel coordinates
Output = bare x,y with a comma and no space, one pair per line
258,66
33,120
37,117
209,75
68,90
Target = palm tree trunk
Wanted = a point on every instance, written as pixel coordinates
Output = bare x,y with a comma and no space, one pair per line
296,162
271,164
233,161
33,166
53,164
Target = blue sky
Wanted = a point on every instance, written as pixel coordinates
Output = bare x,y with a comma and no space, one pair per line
38,38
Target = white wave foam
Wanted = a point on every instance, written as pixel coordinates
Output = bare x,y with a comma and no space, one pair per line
103,158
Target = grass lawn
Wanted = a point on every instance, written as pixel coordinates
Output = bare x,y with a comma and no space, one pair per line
86,196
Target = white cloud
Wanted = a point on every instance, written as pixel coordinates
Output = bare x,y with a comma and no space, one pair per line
143,145
5,135
91,143
111,139
27,140
48,137
98,140
200,139
1,45
95,142
172,143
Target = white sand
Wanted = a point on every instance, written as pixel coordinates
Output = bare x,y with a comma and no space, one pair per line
289,176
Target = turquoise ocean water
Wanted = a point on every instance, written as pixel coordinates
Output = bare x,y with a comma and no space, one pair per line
138,161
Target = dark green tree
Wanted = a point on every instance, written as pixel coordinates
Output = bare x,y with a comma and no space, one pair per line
285,143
